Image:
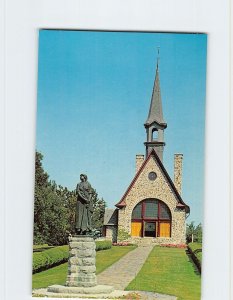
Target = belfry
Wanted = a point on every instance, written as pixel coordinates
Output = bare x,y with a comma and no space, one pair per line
152,206
155,123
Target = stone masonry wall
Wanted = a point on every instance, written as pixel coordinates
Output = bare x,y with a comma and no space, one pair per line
139,161
111,233
178,158
160,189
81,263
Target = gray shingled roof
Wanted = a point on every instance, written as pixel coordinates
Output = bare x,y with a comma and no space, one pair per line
110,216
155,112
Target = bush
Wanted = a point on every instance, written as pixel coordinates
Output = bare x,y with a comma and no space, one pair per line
40,248
58,255
103,245
122,235
123,244
49,258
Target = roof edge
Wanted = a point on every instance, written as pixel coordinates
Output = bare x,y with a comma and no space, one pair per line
122,203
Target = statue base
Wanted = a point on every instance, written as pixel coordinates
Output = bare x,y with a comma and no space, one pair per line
81,263
67,290
81,279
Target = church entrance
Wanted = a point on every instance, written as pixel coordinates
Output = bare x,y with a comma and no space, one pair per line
151,218
150,229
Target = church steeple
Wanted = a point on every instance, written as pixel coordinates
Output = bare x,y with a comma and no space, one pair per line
155,123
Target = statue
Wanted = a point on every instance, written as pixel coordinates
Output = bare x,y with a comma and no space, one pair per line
84,208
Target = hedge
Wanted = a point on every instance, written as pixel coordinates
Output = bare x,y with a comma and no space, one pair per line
57,255
49,258
40,248
103,245
195,250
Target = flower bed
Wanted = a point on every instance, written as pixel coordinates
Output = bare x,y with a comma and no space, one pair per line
122,244
180,246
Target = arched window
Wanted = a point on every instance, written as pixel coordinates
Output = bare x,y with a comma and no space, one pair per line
152,218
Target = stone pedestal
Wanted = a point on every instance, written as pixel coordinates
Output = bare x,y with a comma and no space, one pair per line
81,279
81,264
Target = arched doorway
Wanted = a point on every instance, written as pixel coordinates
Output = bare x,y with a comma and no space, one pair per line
151,218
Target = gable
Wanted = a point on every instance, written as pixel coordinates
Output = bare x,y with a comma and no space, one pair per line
163,182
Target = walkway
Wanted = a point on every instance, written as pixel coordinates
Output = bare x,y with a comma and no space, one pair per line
120,274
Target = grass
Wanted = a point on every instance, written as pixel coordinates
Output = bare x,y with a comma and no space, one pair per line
195,247
169,271
57,275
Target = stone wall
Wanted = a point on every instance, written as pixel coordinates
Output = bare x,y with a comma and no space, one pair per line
139,161
159,189
111,233
178,158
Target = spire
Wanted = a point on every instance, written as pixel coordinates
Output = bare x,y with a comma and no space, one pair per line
155,123
156,111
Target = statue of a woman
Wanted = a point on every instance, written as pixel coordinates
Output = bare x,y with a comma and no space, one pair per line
84,208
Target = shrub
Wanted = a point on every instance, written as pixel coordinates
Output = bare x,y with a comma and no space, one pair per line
123,244
195,250
40,248
122,235
49,258
103,245
57,255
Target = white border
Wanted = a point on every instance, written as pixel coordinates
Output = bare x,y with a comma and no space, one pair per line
20,21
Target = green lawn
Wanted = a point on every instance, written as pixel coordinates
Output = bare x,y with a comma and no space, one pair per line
57,275
169,271
194,247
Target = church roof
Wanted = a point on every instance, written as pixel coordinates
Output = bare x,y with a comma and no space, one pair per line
110,216
156,111
180,203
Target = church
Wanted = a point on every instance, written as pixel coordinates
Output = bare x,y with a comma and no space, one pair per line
152,207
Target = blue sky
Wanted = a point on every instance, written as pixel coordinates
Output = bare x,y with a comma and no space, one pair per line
94,92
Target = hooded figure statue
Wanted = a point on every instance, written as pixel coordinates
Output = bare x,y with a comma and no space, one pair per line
84,208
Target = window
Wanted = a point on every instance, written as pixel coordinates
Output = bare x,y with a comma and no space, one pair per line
152,218
155,134
164,211
137,212
151,209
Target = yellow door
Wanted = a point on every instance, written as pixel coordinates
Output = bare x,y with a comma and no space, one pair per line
136,228
165,229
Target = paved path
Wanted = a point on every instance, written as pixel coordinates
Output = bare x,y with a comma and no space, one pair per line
120,274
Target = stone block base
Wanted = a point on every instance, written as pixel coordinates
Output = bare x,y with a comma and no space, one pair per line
98,289
65,293
81,264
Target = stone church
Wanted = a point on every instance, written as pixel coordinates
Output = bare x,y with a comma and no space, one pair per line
152,206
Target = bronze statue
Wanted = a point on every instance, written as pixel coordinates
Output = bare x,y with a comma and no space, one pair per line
84,208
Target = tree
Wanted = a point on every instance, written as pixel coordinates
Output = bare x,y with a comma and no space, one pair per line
198,233
194,233
50,212
98,213
54,209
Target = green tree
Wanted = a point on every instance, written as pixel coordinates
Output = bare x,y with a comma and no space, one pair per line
198,233
98,213
194,233
190,230
54,209
50,212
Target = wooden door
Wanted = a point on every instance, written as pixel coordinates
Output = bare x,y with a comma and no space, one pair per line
165,229
136,229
